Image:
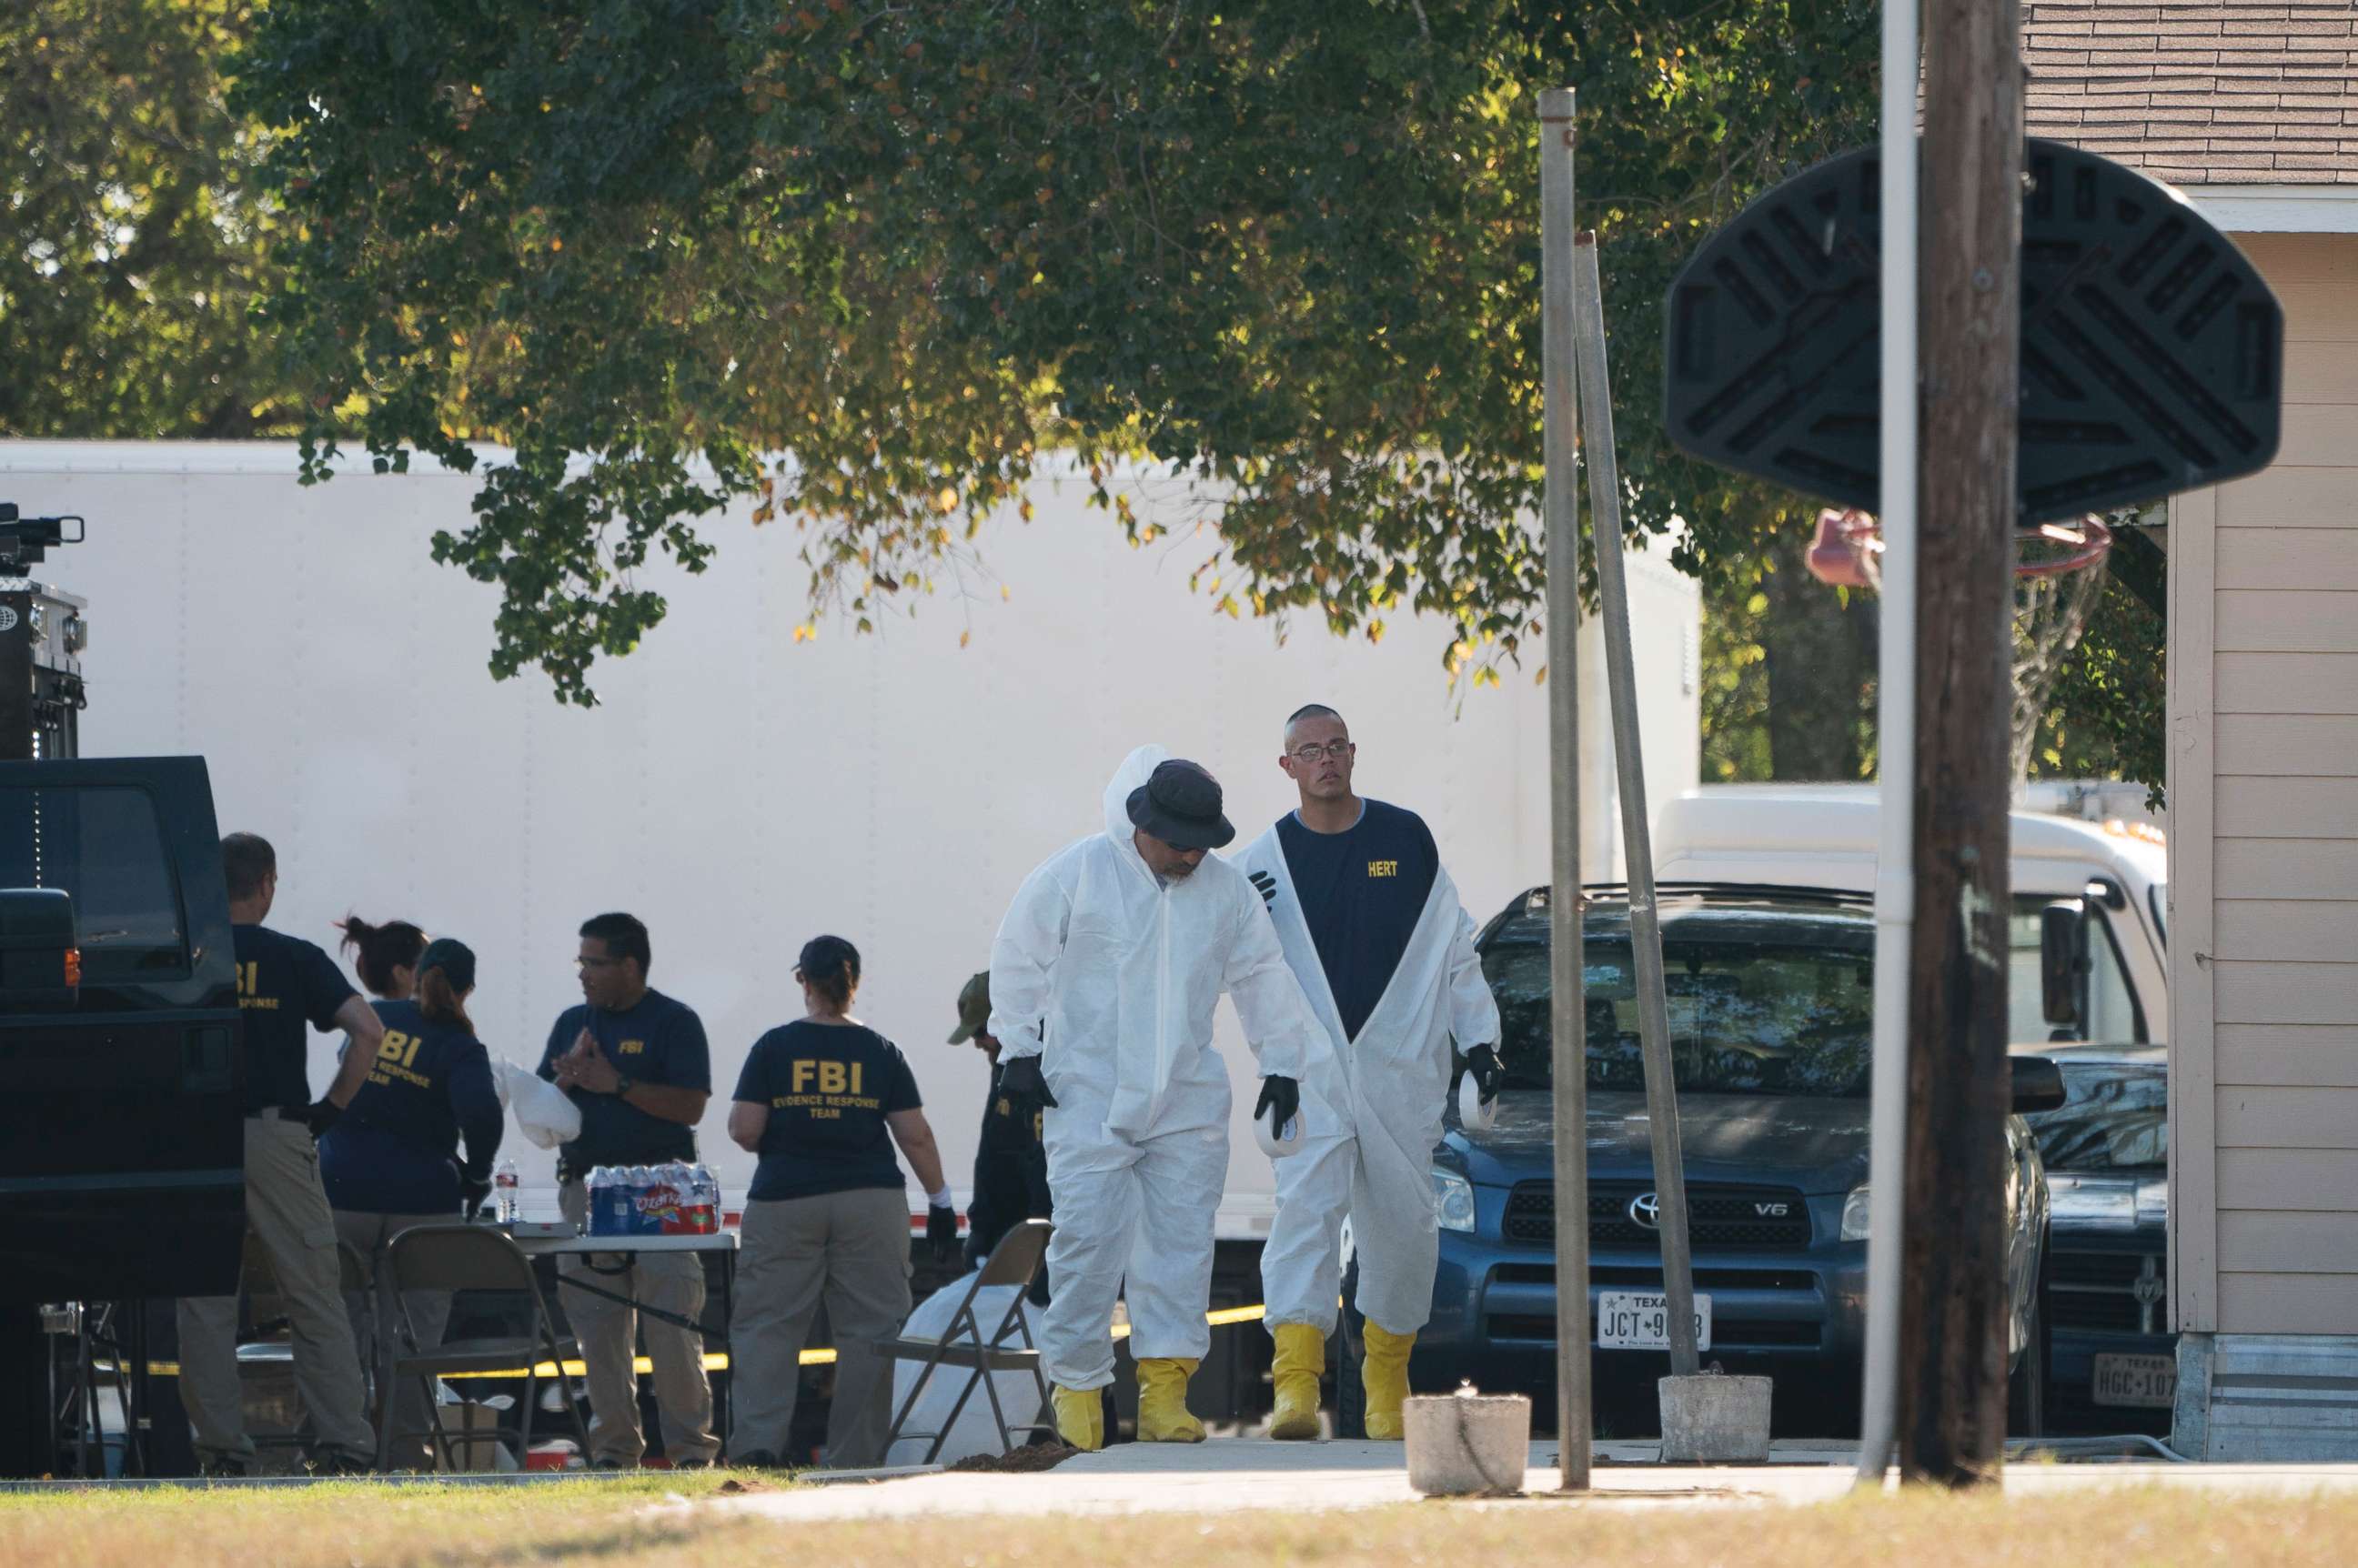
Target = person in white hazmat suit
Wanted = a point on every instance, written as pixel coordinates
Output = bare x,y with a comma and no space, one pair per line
1371,925
1103,978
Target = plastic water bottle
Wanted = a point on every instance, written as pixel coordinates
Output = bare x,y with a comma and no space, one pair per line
703,1202
641,1183
507,1203
675,1195
601,1201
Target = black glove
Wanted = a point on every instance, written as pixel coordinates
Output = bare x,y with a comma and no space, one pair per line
320,1115
1266,885
471,1193
1483,1063
941,1232
1283,1094
1020,1079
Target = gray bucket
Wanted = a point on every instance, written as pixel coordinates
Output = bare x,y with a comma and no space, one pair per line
1714,1419
1469,1444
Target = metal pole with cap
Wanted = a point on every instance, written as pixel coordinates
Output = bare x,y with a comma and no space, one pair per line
1568,1052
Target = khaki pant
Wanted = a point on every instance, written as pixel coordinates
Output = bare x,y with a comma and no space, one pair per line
850,1249
286,1209
376,1326
608,1332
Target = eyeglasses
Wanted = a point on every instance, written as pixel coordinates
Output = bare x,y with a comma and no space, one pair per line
597,962
1334,752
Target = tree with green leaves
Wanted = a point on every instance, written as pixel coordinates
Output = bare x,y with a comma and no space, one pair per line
134,240
863,265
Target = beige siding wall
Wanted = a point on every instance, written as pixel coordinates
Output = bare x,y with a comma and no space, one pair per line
2274,953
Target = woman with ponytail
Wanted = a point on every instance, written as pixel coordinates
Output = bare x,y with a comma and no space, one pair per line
822,1101
392,1160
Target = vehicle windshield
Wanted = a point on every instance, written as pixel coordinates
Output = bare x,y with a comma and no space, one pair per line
103,845
1761,1001
2114,1117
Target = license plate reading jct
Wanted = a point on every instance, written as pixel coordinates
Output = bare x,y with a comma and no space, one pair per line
2144,1383
1632,1320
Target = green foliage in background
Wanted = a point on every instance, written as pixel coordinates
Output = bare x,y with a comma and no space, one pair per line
132,239
1291,250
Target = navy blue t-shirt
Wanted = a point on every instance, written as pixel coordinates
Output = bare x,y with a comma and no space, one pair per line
286,987
1362,892
395,1148
829,1087
658,1041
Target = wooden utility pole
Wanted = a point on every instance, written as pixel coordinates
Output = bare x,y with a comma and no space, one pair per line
1953,1312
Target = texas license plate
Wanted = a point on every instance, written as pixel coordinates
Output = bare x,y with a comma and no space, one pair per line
2144,1383
1632,1320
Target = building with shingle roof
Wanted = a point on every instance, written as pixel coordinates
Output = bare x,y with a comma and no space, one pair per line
2251,111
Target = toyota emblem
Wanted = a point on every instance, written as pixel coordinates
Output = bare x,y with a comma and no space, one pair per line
1646,1210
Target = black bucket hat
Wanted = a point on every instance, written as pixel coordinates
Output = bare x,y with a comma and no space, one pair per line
1180,804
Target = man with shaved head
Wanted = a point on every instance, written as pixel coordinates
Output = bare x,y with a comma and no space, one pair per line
1371,927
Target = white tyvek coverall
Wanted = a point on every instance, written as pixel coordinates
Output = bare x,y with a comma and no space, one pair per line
1124,974
1372,1114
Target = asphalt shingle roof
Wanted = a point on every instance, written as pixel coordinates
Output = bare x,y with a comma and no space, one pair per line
2201,93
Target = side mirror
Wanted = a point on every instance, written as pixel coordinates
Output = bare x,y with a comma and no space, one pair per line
2037,1083
2063,964
40,964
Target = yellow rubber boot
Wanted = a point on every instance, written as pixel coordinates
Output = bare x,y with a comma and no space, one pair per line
1384,1375
1080,1417
1163,1414
1301,1358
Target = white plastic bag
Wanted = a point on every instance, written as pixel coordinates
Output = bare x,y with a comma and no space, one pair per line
975,1432
542,1110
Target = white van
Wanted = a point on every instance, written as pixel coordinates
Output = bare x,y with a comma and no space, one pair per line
1824,835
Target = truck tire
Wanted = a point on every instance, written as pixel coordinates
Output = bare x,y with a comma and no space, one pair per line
23,1393
2026,1389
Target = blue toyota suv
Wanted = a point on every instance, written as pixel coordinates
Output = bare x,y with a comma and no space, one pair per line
1770,992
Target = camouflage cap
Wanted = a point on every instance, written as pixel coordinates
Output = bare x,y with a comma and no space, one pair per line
974,1008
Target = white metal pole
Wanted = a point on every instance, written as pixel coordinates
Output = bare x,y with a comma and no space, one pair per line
1568,1055
1895,883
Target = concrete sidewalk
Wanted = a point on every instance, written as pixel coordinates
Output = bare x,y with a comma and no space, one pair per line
1237,1474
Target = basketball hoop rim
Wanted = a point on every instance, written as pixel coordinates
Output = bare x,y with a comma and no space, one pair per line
2089,540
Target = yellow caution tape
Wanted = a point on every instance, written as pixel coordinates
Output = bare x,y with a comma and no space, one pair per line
718,1360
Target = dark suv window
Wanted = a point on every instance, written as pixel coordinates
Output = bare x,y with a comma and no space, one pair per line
105,846
2114,1117
1760,1002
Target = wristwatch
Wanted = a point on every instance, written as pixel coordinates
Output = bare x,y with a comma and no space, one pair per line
624,1085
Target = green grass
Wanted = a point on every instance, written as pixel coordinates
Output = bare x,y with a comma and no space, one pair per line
626,1524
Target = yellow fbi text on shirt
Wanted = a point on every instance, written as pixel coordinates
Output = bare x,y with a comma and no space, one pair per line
839,1087
397,1057
249,981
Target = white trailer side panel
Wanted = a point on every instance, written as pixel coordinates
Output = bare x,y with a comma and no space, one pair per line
739,791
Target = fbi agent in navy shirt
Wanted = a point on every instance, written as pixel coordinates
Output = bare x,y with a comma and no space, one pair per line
392,1160
1010,1168
637,1064
822,1101
286,988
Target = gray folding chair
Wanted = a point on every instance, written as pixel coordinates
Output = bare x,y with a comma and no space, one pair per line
1013,1262
459,1257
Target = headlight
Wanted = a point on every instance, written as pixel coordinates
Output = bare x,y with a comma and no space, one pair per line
1453,1197
1855,1219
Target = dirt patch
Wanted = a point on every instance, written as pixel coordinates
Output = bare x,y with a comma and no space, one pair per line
1028,1460
738,1486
